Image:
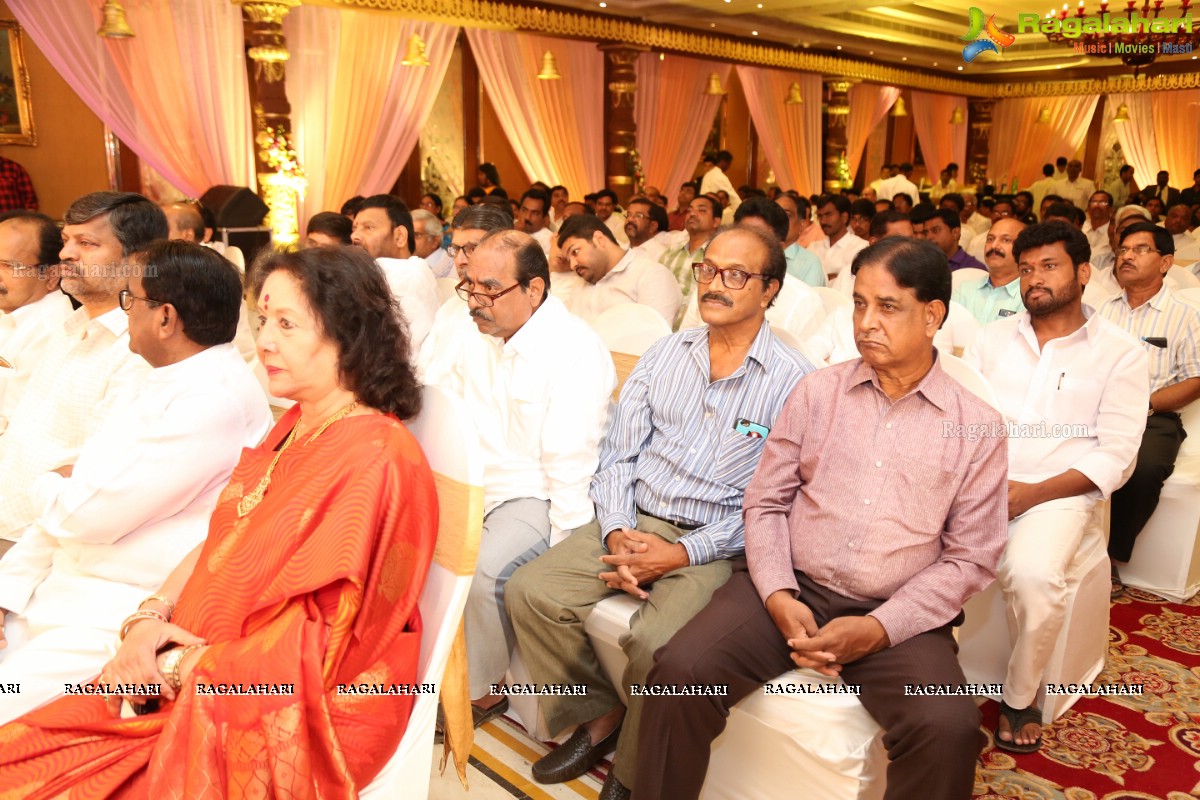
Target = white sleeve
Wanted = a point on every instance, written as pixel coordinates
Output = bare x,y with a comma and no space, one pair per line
658,289
24,567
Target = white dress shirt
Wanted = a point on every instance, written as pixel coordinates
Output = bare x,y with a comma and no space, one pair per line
543,238
797,309
1098,239
540,402
25,333
839,256
81,378
440,263
654,247
633,279
898,184
978,223
1096,378
716,179
141,493
415,289
564,284
616,224
1077,191
452,326
1039,189
1101,286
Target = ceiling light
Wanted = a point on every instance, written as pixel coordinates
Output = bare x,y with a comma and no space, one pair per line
839,47
760,5
712,24
935,63
604,5
904,58
960,69
754,33
870,52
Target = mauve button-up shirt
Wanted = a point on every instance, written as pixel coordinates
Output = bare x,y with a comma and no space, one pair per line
902,501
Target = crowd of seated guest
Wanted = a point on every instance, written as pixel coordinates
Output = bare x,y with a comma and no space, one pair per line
661,497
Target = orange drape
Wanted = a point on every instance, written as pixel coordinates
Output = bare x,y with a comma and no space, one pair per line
1019,145
1175,129
316,587
869,104
790,134
941,142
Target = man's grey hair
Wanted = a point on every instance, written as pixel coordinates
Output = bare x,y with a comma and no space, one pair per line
426,223
484,217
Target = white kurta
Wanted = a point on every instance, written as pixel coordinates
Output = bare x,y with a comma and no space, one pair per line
25,333
415,289
633,279
138,501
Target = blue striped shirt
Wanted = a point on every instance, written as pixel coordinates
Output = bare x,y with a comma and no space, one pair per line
671,449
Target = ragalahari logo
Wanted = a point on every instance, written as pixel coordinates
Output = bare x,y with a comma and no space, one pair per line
993,35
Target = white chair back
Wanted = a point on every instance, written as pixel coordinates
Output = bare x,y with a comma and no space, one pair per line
958,331
630,328
453,453
832,299
1178,278
445,288
970,378
967,274
787,338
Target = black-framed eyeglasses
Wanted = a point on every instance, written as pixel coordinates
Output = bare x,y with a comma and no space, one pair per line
1137,250
466,249
732,278
485,300
126,298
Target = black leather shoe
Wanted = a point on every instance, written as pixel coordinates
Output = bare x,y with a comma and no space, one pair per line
613,789
573,757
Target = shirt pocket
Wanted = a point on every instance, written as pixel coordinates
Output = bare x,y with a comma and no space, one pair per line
737,458
921,494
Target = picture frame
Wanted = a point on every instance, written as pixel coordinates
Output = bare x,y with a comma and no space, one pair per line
16,107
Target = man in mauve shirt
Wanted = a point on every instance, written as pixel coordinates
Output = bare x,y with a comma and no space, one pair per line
877,509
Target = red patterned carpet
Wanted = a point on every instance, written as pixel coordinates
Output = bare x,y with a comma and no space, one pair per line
1119,748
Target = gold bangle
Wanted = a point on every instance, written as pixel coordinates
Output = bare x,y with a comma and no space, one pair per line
137,616
175,680
162,598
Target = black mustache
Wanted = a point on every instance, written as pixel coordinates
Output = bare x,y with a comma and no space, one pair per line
995,252
719,297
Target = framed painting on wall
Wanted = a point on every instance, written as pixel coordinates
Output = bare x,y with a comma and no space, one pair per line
16,110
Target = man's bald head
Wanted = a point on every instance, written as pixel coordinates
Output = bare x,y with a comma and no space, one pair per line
184,222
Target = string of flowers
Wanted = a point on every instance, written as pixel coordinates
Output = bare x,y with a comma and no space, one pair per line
843,171
639,172
277,151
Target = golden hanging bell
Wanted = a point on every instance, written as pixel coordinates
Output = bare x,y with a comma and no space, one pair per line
714,85
415,57
114,25
549,71
1122,113
1043,117
793,96
898,110
956,116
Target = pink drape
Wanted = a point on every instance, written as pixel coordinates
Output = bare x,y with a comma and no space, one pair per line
674,116
176,93
357,112
555,127
790,134
1137,135
869,103
1175,127
941,142
1019,145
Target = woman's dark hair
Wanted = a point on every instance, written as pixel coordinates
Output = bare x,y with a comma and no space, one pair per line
204,288
435,199
490,172
914,264
354,306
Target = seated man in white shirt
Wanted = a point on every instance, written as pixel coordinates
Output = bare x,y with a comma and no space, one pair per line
614,276
999,294
647,227
1176,221
610,215
140,495
32,309
1169,331
1079,385
839,247
1100,214
427,238
452,324
1103,283
532,218
84,371
384,228
537,383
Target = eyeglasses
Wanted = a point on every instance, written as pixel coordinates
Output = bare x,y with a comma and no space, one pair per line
1138,250
485,300
18,268
1100,202
466,249
637,215
732,278
126,298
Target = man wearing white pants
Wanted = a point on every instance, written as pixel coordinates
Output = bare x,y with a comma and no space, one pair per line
1073,389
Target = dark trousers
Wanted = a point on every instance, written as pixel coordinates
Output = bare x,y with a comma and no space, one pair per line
932,742
1134,503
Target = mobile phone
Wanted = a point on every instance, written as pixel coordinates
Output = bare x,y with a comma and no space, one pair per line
752,429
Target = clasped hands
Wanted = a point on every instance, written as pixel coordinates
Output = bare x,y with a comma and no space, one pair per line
138,660
640,558
840,641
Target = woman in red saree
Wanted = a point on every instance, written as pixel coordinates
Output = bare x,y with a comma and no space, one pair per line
309,578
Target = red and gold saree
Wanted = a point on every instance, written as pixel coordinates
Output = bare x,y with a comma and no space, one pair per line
315,587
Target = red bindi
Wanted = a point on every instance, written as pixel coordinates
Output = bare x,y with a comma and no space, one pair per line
266,299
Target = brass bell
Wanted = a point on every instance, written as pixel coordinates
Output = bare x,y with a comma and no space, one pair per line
714,85
1043,117
898,110
549,71
956,116
793,95
1122,113
415,57
114,25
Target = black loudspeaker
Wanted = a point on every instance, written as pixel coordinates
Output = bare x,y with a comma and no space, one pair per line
235,206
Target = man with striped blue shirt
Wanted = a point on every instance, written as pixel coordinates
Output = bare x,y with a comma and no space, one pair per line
1169,331
674,464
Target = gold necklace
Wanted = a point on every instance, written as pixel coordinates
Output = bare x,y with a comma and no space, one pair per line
250,501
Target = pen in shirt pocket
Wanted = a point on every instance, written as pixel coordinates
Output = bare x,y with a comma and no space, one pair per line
1156,341
1061,375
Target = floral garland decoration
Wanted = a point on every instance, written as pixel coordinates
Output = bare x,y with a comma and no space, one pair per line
638,171
276,150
